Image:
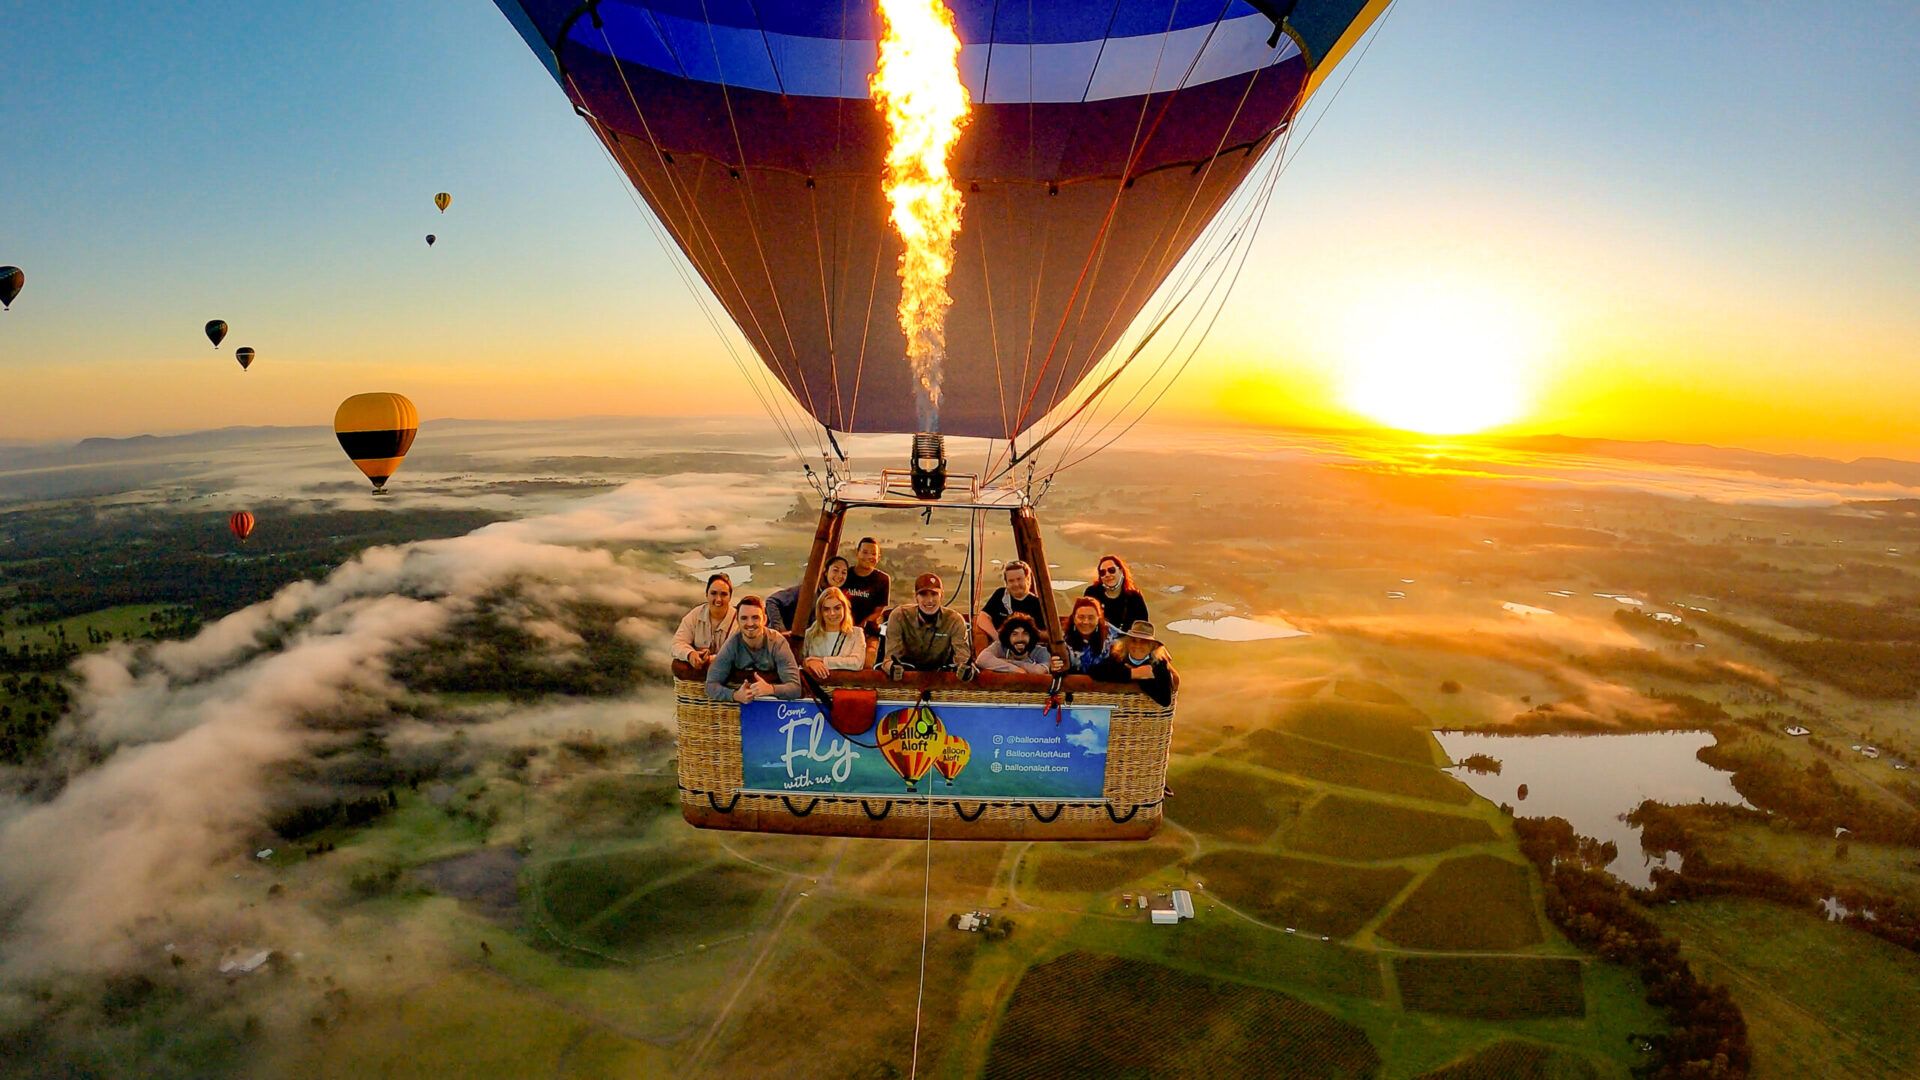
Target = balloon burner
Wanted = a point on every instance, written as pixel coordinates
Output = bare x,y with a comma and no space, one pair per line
929,465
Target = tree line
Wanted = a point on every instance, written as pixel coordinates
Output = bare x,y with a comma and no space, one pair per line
1708,1036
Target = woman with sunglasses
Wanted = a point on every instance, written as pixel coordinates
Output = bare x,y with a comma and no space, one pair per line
1113,587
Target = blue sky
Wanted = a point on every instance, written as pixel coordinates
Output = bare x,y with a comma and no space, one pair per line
1725,173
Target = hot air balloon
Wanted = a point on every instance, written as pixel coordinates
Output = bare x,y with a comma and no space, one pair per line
1109,156
375,430
955,752
217,331
430,239
241,524
1102,140
910,741
442,200
245,356
12,279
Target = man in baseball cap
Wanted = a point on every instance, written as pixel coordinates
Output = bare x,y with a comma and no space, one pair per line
924,636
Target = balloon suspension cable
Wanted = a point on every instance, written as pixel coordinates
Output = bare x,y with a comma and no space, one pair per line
1235,244
771,399
926,911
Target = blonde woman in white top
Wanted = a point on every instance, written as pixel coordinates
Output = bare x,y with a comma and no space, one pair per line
705,627
834,642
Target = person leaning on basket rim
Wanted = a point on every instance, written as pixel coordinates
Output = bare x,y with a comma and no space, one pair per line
1141,659
926,636
761,657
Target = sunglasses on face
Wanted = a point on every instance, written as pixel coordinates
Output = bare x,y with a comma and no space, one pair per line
928,592
1105,570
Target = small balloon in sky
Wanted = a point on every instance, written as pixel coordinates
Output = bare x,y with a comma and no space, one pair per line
430,239
12,278
241,524
442,201
217,331
245,356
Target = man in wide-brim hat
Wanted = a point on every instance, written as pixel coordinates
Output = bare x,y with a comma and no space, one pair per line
1139,657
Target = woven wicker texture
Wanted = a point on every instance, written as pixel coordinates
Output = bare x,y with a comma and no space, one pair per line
1138,744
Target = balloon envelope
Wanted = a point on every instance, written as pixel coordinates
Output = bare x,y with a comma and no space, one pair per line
442,201
1101,141
910,740
376,431
245,356
217,332
430,239
12,279
241,524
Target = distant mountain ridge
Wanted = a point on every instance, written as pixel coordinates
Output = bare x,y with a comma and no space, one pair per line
1863,470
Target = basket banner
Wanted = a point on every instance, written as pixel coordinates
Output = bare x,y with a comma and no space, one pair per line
936,749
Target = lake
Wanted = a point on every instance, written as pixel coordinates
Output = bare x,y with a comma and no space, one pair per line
1594,781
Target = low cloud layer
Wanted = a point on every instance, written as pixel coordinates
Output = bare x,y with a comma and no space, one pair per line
175,752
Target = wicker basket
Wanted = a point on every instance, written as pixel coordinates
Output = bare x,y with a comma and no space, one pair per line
1137,747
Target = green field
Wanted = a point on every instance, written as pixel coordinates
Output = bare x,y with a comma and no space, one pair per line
1820,998
1232,805
1476,902
1393,732
1491,987
1313,897
1516,1060
1094,1016
1305,758
647,902
1098,867
1350,828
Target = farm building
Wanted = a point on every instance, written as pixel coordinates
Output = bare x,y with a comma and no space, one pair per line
1176,907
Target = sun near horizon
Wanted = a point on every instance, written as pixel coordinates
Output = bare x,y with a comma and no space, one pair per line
1440,359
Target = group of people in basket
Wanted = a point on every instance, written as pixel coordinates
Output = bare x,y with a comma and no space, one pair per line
743,644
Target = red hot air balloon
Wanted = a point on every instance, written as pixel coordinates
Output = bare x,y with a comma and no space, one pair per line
910,740
955,752
241,524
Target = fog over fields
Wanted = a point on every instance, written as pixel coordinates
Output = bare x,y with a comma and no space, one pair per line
419,752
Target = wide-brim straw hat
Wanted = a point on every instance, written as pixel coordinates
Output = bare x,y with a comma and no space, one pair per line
1141,629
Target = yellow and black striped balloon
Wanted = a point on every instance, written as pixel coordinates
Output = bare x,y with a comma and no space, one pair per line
375,430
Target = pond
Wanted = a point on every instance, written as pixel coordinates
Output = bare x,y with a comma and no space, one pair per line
1594,781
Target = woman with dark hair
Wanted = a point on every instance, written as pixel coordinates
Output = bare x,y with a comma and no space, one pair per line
1017,650
1087,639
1113,587
705,627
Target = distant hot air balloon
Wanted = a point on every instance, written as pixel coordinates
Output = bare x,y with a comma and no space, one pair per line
442,200
217,331
955,752
910,740
245,356
242,524
430,239
12,278
375,430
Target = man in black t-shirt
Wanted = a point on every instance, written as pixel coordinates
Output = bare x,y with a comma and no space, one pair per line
868,590
1016,595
